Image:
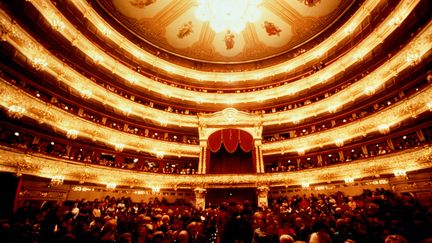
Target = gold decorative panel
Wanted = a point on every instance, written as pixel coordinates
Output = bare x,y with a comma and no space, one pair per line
16,161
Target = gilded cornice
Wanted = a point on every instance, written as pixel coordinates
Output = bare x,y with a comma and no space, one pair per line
63,122
15,161
18,103
41,59
391,117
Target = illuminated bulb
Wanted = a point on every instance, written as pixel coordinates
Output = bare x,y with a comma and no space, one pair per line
155,189
394,21
413,58
119,147
58,25
72,134
39,63
106,31
132,79
290,91
259,98
296,120
305,184
97,58
349,29
399,173
319,53
163,122
358,56
349,180
85,93
288,67
126,110
339,142
258,76
16,112
111,185
384,128
57,180
429,105
325,77
369,90
160,154
332,109
169,69
301,151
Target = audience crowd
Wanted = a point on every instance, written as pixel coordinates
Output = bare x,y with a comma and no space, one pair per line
59,148
398,143
373,216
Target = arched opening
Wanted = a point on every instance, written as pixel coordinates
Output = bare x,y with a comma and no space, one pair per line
236,156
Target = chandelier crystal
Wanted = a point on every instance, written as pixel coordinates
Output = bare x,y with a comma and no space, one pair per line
230,15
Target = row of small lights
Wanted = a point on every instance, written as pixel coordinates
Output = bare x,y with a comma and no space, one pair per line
350,180
99,59
17,112
106,31
59,179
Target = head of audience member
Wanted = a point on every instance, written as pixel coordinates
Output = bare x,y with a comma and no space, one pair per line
320,237
286,239
183,237
395,239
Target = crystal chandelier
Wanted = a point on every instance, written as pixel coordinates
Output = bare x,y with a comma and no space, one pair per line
228,14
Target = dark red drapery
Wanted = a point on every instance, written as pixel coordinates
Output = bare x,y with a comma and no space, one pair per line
230,138
230,158
224,162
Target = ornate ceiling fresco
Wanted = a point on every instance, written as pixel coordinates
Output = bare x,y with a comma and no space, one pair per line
175,27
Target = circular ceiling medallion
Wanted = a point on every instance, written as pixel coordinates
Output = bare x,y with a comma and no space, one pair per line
232,31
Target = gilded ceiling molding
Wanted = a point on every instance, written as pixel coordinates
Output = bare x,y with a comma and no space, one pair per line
18,103
410,55
16,161
41,59
334,40
356,54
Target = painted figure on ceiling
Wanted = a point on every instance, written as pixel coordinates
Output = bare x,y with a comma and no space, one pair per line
229,40
185,30
271,28
310,3
141,3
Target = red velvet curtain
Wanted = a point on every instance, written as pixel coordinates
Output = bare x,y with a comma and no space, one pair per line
17,192
237,162
230,138
230,158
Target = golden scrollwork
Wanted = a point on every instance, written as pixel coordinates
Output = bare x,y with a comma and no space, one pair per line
38,165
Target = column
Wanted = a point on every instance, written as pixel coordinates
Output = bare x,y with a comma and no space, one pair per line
258,157
200,194
202,158
262,194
